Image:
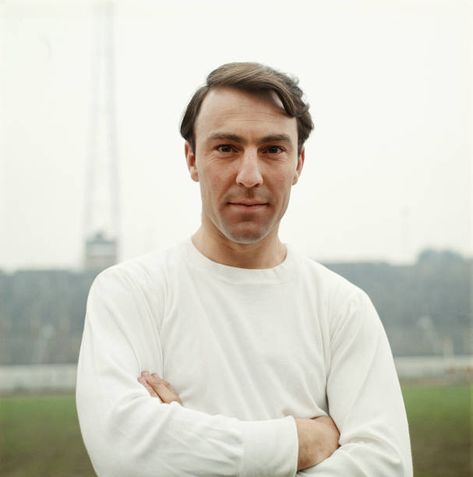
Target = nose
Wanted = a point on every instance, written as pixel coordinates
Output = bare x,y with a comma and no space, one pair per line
249,174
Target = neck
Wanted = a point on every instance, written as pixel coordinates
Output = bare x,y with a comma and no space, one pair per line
266,253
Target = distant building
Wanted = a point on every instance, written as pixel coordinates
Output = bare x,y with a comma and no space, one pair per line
100,252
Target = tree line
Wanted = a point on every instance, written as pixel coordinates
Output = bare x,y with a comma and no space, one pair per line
425,307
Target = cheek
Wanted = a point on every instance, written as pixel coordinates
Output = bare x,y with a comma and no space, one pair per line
217,177
214,184
282,183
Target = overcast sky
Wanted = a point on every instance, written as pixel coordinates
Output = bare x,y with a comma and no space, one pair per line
387,170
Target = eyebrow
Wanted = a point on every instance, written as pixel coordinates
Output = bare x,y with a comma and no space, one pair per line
239,139
225,137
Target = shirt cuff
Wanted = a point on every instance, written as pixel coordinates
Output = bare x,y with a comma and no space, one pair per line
270,448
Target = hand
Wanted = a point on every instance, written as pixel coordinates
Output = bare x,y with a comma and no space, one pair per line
158,387
318,440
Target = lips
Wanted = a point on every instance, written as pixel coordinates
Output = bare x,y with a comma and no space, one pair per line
246,207
247,201
248,204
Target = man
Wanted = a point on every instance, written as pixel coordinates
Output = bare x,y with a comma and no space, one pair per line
231,354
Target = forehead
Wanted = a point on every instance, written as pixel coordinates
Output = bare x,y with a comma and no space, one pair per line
243,112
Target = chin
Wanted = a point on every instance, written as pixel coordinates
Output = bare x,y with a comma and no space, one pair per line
246,237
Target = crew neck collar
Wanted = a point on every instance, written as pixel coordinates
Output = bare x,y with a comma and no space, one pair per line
278,274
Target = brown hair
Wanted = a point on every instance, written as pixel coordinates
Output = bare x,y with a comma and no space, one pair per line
252,77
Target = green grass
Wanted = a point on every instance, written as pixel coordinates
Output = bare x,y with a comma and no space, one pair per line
440,425
39,435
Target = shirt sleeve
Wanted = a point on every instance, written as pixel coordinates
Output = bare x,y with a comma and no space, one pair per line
365,399
127,432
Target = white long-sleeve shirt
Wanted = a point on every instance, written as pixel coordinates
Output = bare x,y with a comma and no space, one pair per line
247,351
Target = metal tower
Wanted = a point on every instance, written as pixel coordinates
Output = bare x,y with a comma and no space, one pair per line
101,222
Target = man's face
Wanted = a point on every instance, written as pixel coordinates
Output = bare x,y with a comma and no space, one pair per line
246,162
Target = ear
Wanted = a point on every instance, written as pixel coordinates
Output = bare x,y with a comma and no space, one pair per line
299,166
190,159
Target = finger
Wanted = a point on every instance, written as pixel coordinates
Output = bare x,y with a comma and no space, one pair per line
149,388
165,393
163,381
164,389
150,383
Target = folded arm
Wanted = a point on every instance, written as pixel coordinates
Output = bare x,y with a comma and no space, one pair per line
127,433
317,437
365,399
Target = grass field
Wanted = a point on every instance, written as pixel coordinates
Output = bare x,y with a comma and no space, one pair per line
440,423
39,435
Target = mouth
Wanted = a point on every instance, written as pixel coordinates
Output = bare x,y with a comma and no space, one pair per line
252,210
248,205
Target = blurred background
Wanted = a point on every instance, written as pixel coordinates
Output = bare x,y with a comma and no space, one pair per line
92,172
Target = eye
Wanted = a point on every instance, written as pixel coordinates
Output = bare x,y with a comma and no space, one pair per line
224,148
274,149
